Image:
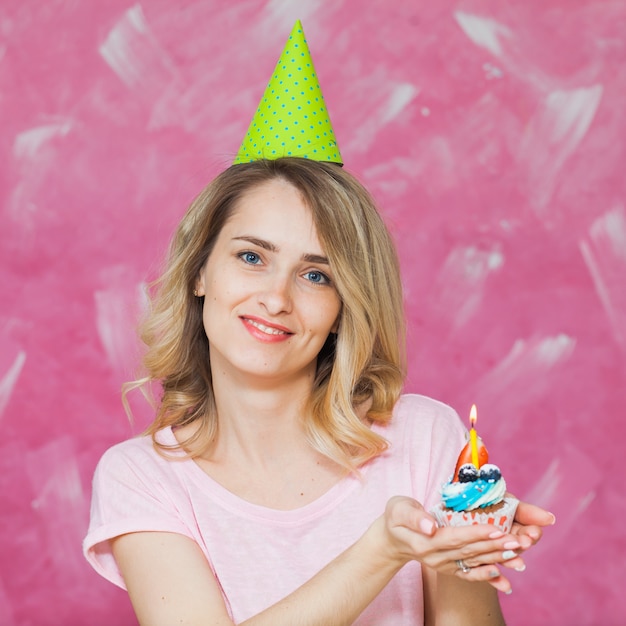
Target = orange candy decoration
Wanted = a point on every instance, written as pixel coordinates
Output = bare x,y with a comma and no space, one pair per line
466,457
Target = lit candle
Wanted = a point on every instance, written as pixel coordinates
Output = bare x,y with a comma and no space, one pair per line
474,451
473,437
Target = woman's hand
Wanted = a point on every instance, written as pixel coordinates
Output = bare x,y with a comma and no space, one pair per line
529,522
412,534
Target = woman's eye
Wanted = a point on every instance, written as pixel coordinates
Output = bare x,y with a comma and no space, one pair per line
317,277
250,257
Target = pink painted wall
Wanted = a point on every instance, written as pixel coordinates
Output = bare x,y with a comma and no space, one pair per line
493,135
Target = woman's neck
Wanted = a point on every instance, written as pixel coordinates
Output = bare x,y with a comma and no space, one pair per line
261,452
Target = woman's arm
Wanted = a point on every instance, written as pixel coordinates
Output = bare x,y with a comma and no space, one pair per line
450,600
170,582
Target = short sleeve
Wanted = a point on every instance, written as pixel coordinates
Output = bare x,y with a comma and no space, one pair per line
436,435
133,491
448,439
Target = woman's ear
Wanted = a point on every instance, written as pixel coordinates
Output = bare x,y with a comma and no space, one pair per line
199,290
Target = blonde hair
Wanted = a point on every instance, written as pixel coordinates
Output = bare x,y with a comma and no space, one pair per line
362,365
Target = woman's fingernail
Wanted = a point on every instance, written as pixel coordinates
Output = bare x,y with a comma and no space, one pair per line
496,534
520,568
509,592
553,522
494,574
427,526
508,554
511,545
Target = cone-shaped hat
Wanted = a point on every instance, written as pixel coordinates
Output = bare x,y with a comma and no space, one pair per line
291,119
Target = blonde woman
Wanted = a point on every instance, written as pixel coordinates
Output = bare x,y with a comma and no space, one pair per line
285,480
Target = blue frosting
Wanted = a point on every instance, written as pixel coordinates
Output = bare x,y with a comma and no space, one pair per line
471,495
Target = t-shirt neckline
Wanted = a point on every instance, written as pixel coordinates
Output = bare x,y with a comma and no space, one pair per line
235,504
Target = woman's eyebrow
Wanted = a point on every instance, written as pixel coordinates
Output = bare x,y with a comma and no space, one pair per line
262,243
315,258
268,245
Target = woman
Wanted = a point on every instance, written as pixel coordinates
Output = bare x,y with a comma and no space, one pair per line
285,480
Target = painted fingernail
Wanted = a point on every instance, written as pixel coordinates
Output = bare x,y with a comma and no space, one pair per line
496,534
509,592
494,574
553,519
508,554
427,526
520,568
511,545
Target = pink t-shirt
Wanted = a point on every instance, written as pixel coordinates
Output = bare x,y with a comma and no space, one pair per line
260,555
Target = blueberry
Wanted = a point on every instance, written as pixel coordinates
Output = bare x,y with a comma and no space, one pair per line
468,473
490,473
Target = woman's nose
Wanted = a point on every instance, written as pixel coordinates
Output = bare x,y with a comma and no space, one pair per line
276,294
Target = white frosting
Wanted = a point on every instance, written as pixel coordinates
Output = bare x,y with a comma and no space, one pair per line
492,496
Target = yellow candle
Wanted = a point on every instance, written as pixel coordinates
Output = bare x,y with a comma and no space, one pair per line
474,445
473,436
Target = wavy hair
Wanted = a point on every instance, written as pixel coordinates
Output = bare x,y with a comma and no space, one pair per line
363,365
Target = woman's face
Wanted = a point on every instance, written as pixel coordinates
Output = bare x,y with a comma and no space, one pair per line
270,302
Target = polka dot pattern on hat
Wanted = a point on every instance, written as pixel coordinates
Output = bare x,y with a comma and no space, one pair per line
291,119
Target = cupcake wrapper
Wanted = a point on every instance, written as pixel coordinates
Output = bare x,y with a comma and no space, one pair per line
502,518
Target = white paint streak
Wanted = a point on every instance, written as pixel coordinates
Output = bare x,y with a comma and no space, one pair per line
601,289
569,114
283,13
585,501
491,71
608,232
62,484
551,350
544,491
116,311
526,368
20,205
553,135
112,323
135,55
28,143
8,381
391,176
461,280
59,502
400,97
369,120
565,489
604,254
471,265
534,355
482,31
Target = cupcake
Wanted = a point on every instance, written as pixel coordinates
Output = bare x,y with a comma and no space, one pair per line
476,498
475,494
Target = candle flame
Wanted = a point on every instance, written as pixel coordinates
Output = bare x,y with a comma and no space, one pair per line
473,415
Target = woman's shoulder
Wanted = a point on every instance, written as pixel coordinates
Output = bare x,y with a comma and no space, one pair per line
137,453
413,406
419,417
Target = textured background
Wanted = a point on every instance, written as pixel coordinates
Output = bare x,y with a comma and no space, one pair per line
493,135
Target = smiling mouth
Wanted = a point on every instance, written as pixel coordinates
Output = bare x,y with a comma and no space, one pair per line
266,329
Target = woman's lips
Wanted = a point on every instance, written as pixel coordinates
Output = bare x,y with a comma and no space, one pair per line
264,330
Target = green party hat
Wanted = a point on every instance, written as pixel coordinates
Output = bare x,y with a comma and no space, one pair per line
291,119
